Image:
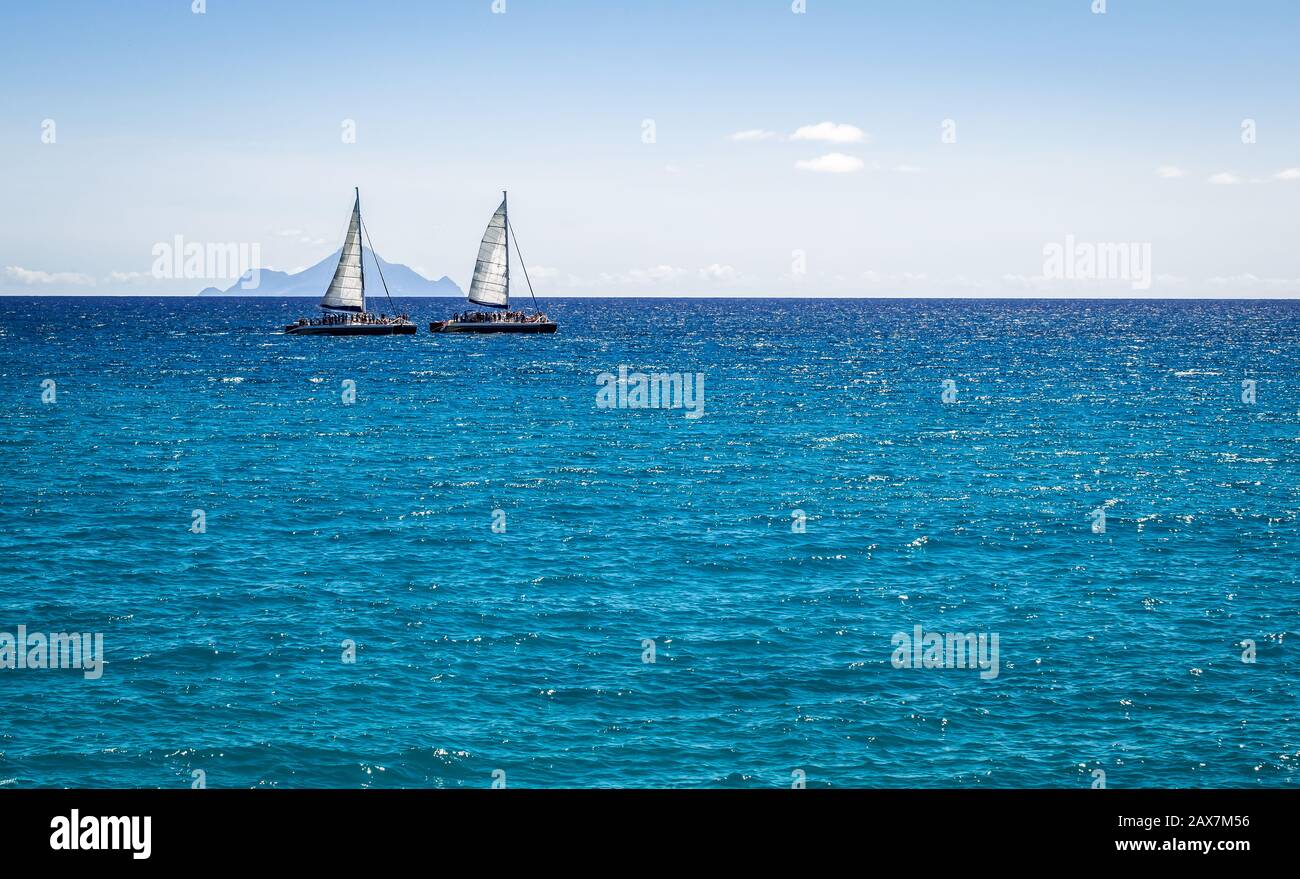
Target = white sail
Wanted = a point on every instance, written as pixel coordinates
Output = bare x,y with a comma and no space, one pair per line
347,291
490,285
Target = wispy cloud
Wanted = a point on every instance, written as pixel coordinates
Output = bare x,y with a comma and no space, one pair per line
894,278
831,132
752,134
128,277
831,163
1225,178
635,277
1170,172
301,236
652,280
718,272
33,276
1287,174
1249,282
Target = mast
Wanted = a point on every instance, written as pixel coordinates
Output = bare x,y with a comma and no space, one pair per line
505,203
361,244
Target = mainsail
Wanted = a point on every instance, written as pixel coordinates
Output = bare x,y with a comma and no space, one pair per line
491,283
347,291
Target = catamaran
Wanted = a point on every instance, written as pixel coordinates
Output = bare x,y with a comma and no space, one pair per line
345,300
490,287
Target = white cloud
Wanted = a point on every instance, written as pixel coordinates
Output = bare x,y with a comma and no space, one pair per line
907,169
1225,178
127,277
895,278
661,278
543,273
1287,174
718,272
1254,284
303,237
831,163
831,132
1020,282
637,277
752,134
1170,172
30,276
655,275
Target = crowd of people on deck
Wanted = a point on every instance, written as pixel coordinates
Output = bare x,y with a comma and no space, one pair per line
348,318
353,318
486,317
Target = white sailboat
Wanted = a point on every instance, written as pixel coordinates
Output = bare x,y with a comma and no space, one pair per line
344,302
490,287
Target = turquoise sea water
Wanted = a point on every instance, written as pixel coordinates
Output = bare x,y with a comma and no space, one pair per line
524,651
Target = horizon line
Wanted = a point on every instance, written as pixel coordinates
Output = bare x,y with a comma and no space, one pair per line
681,296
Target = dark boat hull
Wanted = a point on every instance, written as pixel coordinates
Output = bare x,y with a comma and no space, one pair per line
407,329
496,326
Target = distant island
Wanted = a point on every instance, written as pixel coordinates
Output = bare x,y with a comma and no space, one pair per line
401,280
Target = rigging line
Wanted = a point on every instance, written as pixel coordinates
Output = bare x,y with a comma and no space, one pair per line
523,266
376,256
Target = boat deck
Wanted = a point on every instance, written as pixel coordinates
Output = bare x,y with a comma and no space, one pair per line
495,326
403,329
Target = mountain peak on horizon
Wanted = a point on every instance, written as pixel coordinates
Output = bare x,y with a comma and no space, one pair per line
313,281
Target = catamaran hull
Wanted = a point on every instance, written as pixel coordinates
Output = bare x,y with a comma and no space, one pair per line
500,326
351,330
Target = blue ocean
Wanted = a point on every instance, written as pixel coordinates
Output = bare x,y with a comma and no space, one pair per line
435,561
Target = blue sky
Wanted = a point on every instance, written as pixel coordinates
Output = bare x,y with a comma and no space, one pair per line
226,126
